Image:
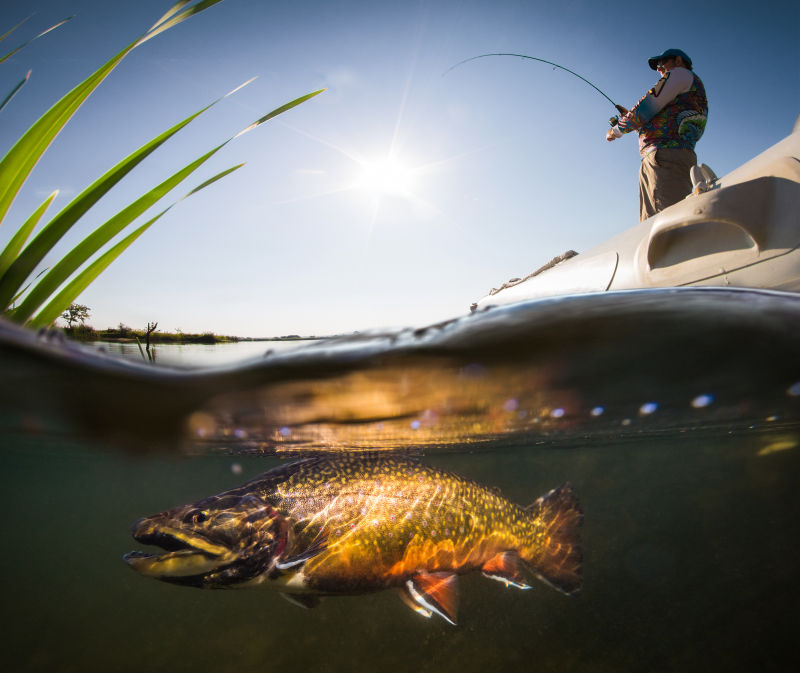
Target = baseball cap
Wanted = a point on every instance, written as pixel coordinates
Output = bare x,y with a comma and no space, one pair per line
653,60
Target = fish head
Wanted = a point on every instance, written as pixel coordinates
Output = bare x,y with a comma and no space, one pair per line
217,542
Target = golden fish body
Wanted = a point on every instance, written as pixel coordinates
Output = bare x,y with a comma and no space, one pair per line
356,524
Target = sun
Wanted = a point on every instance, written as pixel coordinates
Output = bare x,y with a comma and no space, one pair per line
386,177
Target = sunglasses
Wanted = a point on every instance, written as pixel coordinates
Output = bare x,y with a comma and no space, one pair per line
660,64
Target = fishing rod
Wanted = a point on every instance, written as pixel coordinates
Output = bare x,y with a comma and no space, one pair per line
619,108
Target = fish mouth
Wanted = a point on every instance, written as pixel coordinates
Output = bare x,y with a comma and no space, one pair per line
186,553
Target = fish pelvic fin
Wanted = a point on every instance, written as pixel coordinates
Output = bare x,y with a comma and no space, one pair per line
306,601
434,592
505,568
556,555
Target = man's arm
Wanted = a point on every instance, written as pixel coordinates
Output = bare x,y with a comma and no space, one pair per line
672,84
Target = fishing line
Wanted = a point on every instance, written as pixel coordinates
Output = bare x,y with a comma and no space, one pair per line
534,58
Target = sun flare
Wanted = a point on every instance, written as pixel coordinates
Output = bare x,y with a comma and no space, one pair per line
386,177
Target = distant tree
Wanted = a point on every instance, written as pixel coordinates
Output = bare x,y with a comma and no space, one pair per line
151,327
75,313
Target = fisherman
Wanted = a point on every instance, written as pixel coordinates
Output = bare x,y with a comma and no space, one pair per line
669,118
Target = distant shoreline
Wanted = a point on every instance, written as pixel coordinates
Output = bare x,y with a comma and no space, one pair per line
127,335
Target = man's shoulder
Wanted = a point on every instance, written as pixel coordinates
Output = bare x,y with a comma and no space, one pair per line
682,76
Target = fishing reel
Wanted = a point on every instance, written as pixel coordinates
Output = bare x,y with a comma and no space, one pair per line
613,121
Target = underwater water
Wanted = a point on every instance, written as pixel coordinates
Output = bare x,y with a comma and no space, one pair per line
675,420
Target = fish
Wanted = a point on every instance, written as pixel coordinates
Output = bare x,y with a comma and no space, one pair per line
355,524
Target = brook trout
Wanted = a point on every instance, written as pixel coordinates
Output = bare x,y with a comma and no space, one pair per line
357,524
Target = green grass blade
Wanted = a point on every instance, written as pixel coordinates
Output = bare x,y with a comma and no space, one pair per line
36,37
11,250
15,90
70,293
81,253
33,254
11,30
18,163
163,24
210,181
16,166
64,298
171,12
279,110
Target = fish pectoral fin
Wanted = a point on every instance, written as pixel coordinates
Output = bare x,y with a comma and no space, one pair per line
306,601
318,546
505,568
435,592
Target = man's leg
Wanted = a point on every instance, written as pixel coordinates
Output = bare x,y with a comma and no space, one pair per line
673,181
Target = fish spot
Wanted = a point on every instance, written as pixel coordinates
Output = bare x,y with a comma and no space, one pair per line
558,413
648,408
597,411
794,389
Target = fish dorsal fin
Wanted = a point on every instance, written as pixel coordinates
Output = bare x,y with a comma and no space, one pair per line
306,601
436,592
505,568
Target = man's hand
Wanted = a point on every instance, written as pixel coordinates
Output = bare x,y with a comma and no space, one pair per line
610,135
623,111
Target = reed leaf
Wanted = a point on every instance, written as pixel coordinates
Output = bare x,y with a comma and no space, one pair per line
279,110
18,240
15,90
36,37
70,293
165,23
81,253
18,163
11,30
33,254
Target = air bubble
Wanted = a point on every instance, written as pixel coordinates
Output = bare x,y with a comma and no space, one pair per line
648,408
702,401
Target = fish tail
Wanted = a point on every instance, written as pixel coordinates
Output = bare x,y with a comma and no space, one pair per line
555,552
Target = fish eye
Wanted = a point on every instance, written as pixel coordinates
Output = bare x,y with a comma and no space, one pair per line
199,517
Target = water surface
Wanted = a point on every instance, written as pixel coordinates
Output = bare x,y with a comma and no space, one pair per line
674,415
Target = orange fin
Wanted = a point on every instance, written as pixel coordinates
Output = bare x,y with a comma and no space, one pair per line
435,592
559,562
505,568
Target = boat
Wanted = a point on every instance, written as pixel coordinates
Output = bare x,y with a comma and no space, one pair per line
740,230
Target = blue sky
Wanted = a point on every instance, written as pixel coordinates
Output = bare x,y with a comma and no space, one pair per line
495,168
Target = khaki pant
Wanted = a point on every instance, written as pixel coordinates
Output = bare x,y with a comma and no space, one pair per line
664,179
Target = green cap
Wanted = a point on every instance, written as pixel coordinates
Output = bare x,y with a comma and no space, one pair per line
653,60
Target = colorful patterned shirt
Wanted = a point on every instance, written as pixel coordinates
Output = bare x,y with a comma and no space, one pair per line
672,114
